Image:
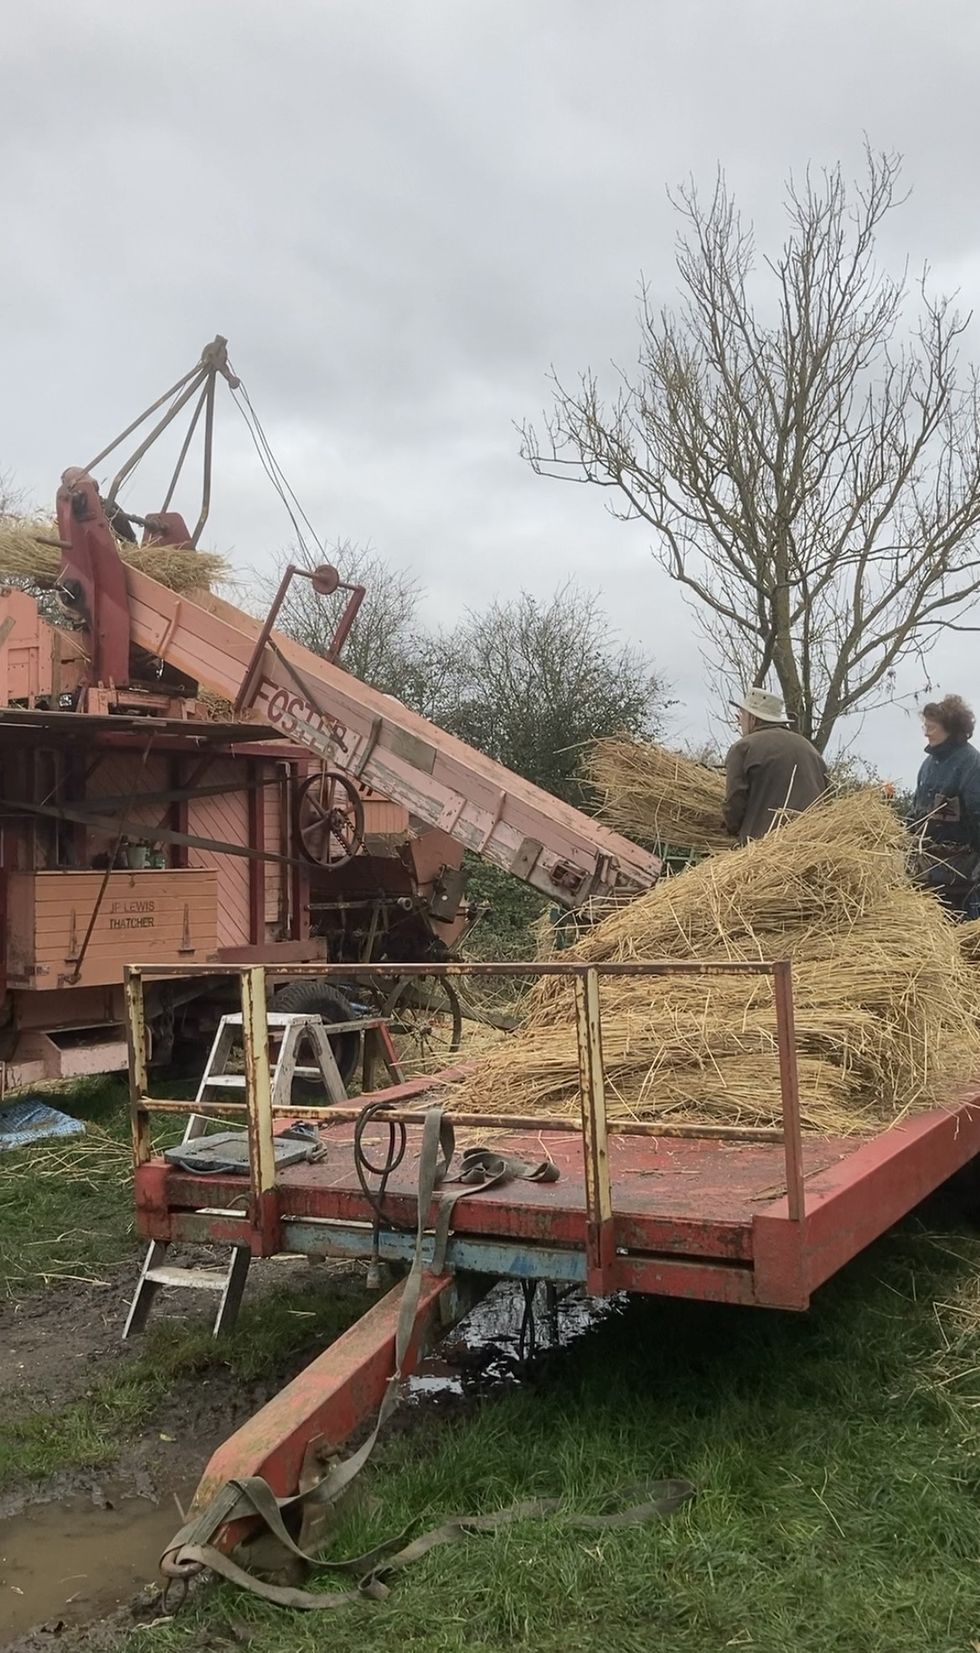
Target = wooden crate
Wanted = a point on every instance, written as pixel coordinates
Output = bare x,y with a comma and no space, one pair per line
145,917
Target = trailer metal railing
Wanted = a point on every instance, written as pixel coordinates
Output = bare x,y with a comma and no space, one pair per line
260,1114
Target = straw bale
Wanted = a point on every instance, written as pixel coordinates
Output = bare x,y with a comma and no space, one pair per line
657,796
25,555
887,1009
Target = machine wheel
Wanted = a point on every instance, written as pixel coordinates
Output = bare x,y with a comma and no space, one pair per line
329,820
315,998
426,1021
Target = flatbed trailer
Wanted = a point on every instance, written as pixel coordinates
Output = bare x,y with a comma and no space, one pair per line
757,1217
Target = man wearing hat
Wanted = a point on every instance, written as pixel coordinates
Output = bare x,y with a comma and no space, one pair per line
770,770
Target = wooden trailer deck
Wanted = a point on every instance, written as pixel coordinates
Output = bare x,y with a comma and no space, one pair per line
692,1217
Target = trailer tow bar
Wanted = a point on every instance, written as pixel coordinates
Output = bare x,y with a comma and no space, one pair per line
204,1541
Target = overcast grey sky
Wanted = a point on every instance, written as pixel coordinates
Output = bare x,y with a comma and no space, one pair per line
400,215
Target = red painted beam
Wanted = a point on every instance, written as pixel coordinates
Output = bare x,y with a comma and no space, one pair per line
518,1216
151,1197
684,1277
855,1201
327,1402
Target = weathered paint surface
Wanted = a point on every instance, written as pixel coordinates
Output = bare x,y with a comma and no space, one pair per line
144,914
850,1204
411,762
695,1219
326,1402
690,1218
673,1202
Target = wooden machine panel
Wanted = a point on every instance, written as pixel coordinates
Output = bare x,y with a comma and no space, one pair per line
143,917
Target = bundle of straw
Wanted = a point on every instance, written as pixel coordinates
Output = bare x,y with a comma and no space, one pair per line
656,796
968,936
887,1009
218,708
27,553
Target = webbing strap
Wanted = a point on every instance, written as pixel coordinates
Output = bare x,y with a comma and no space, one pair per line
191,1548
480,1168
660,1498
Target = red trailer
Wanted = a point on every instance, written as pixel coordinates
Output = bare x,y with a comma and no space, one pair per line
758,1217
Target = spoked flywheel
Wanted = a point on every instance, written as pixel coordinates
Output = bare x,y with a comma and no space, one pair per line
329,819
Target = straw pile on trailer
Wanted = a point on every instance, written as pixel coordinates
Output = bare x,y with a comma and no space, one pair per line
28,554
968,936
656,796
887,1007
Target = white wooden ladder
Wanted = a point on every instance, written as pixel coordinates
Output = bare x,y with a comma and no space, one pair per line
287,1035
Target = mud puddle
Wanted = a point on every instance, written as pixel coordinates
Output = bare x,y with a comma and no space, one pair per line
76,1560
500,1338
68,1562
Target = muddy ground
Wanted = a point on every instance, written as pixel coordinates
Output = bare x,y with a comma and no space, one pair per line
79,1550
81,1545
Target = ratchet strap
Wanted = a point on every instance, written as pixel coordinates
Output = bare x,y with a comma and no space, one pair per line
191,1550
254,1497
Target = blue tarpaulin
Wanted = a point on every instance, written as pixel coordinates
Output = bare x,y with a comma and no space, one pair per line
31,1120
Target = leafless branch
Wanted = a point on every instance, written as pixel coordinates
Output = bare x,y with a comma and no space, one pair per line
808,458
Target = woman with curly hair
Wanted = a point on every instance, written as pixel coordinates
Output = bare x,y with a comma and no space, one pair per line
946,814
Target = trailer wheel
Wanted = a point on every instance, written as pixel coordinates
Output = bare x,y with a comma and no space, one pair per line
314,998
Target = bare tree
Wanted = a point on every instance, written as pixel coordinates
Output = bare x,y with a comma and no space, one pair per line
12,498
810,461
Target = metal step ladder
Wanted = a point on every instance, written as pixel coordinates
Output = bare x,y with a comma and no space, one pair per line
287,1032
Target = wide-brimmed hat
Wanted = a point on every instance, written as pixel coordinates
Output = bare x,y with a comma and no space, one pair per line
760,704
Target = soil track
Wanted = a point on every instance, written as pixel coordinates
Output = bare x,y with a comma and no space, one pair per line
83,1544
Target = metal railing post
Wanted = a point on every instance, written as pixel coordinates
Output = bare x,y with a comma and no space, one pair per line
264,1213
600,1248
138,1078
789,1087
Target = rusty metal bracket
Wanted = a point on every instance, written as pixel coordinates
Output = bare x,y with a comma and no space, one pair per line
324,581
600,1247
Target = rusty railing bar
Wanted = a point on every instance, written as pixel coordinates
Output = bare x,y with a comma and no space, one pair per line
546,967
139,1114
600,1245
258,1102
789,1088
553,1123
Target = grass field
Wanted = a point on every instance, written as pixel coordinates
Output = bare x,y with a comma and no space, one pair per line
65,1207
836,1457
837,1467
